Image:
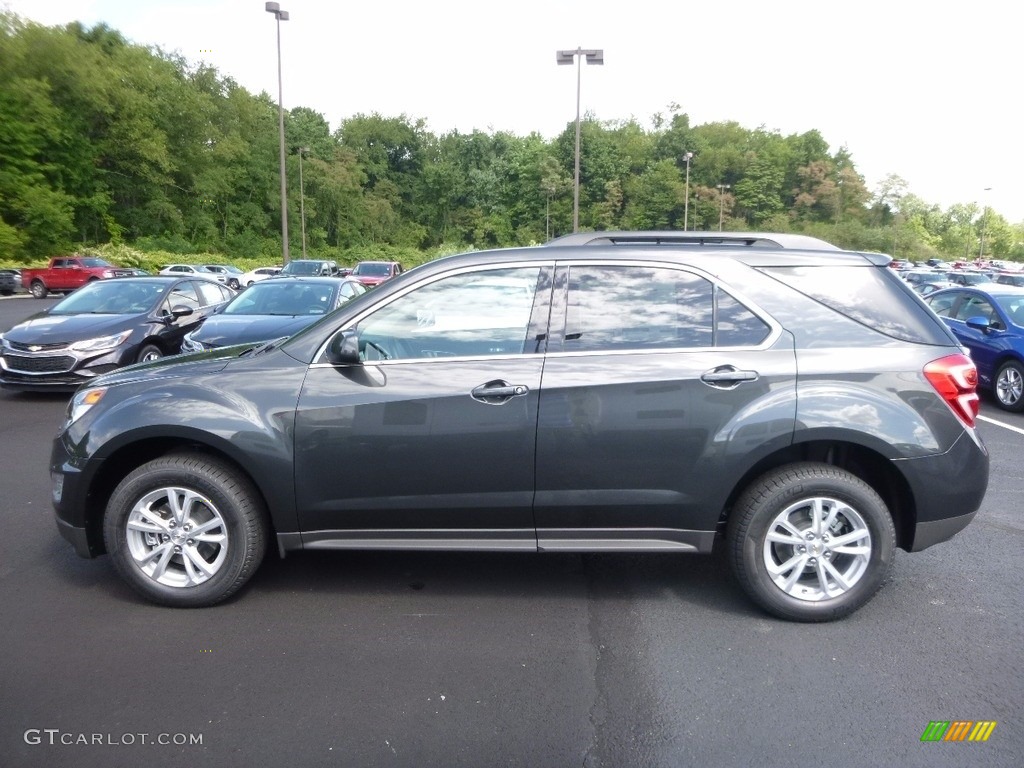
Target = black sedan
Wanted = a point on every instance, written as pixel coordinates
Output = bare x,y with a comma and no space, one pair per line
279,306
103,326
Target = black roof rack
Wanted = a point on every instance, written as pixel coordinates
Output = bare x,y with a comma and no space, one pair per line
697,239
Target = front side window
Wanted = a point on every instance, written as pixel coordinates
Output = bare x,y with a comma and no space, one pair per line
212,293
466,315
628,307
183,295
976,306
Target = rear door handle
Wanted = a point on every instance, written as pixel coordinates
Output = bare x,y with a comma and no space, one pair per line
498,392
727,377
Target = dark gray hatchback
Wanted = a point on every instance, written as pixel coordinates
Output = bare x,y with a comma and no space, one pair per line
646,392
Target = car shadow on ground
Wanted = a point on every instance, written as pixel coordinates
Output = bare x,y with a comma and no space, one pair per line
697,580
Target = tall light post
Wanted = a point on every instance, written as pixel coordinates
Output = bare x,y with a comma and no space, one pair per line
275,9
984,221
686,204
721,203
593,56
302,200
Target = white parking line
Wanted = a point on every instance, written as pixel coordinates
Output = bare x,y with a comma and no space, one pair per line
1010,427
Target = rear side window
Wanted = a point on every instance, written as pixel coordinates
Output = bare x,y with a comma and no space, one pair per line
627,307
869,295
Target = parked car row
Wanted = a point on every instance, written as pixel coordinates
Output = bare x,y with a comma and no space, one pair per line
113,323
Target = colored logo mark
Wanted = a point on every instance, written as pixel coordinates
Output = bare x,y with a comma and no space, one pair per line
958,730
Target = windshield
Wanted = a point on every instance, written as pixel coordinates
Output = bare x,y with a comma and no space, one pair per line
277,297
111,297
94,262
301,268
372,269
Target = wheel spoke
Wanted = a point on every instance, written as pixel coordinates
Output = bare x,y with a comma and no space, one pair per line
836,575
789,536
165,558
797,572
196,568
145,525
822,574
833,511
847,538
817,513
152,554
209,525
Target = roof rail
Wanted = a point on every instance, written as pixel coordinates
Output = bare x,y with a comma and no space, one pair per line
698,239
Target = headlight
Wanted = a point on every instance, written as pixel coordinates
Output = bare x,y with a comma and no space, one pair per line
82,402
103,342
189,344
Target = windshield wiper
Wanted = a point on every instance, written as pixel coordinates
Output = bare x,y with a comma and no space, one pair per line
266,347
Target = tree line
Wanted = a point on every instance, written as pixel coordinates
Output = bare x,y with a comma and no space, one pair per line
105,141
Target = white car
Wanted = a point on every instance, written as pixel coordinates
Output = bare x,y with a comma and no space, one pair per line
255,275
180,270
231,273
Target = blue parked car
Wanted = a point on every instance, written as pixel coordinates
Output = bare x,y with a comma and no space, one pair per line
989,321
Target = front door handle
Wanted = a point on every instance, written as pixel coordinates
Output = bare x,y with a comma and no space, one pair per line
727,377
498,392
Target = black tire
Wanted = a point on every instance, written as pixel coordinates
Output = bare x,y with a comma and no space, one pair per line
38,289
1008,387
810,591
225,508
149,352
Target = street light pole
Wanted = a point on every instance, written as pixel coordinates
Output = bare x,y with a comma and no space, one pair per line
686,204
721,203
984,221
280,15
302,200
593,56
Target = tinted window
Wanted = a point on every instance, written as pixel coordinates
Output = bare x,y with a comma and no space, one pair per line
976,306
943,304
471,314
872,296
183,295
212,293
618,307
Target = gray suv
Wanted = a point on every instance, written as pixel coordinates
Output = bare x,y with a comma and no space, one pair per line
608,392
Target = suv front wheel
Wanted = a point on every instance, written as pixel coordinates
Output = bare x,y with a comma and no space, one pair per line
810,542
185,530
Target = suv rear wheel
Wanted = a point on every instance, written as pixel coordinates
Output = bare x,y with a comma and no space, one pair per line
811,542
185,530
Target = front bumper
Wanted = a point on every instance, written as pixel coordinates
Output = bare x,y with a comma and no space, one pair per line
70,501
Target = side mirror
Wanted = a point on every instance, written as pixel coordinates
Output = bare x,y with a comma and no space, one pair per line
344,349
180,311
979,324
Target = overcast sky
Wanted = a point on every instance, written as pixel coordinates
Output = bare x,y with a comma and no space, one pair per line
927,90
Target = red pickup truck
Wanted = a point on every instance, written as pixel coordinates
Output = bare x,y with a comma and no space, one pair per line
66,273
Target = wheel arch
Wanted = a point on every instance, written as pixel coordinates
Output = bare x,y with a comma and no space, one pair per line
128,457
863,462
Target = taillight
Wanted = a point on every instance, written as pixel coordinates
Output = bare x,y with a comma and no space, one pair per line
956,379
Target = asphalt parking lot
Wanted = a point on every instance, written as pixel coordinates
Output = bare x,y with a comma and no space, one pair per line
478,659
